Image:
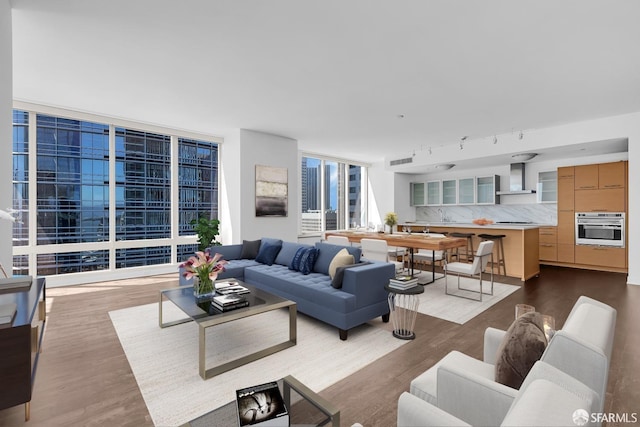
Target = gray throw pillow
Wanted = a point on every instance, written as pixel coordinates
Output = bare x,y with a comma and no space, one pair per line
250,249
336,282
521,348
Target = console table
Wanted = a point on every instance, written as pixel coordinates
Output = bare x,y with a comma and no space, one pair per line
20,345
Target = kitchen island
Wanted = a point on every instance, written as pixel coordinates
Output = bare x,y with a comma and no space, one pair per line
520,243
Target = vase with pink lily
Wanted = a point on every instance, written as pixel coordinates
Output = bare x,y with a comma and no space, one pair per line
204,269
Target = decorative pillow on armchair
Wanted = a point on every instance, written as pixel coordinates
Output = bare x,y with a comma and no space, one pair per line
521,347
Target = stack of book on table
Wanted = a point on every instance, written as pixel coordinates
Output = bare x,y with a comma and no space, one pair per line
229,302
230,288
403,282
262,405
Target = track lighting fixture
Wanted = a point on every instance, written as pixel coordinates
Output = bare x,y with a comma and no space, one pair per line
520,135
495,139
430,152
462,140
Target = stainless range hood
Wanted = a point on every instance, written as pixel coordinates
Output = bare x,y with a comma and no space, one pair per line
516,181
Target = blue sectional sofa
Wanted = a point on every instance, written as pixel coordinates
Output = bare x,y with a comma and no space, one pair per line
360,298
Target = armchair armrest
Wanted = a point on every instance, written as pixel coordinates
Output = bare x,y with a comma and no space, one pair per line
413,411
492,339
367,282
473,398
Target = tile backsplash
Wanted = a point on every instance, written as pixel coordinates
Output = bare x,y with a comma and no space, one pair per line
539,213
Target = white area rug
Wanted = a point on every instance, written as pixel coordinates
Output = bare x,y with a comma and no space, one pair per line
165,361
434,302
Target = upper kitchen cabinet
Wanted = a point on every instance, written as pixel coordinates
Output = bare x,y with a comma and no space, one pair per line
600,176
417,194
466,191
547,187
449,192
486,187
434,193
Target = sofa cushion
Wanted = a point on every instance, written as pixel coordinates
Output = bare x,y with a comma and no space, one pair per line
336,282
522,346
342,258
250,249
288,250
268,252
326,253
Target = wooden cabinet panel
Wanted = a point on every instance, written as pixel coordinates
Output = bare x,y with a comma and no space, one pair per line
548,235
548,252
566,252
586,177
599,255
611,175
566,228
611,200
565,189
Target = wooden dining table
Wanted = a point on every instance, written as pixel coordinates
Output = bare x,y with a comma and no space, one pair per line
411,241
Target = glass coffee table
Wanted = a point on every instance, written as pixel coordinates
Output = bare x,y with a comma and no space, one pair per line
207,316
306,408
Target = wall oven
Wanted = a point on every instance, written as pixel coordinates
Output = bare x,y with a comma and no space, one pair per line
600,228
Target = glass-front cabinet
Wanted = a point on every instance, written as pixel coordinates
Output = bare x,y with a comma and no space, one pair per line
466,191
434,195
486,187
417,194
547,191
449,191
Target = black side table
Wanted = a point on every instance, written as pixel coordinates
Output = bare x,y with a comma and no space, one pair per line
403,308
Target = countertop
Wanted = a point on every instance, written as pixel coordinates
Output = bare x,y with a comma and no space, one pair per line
472,225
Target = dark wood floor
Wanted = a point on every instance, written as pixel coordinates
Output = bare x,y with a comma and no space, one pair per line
84,378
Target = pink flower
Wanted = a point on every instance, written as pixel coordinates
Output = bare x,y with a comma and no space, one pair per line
204,266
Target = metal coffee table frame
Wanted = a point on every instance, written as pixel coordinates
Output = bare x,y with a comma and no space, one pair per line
183,298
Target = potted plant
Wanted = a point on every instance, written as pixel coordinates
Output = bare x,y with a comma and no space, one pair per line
391,219
207,230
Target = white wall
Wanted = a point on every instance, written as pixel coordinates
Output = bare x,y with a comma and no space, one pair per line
230,189
6,106
381,194
257,148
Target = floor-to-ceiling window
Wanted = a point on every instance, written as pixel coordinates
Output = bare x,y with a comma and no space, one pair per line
332,195
106,197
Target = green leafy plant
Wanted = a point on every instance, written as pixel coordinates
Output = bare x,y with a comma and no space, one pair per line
207,231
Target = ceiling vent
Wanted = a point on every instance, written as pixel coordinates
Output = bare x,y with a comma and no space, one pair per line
401,161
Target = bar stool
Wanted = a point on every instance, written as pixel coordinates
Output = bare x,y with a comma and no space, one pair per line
499,250
469,252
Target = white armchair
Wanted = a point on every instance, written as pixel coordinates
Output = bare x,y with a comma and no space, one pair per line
581,349
378,250
547,397
338,240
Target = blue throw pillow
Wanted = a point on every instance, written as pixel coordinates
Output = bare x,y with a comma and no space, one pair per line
308,260
304,260
268,252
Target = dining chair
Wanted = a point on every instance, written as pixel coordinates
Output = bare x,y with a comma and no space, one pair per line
474,269
338,240
424,256
378,250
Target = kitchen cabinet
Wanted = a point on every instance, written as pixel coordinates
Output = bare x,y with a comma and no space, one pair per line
486,187
586,177
466,191
566,183
600,176
434,195
417,194
548,244
609,200
449,192
601,256
547,191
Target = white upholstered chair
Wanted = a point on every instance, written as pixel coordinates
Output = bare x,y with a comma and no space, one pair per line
427,256
378,250
338,240
474,269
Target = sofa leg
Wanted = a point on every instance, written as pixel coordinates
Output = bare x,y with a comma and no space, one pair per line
343,334
385,318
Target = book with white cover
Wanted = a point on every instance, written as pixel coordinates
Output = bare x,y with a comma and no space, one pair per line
227,288
225,300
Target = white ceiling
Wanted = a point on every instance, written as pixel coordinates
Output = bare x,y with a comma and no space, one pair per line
335,75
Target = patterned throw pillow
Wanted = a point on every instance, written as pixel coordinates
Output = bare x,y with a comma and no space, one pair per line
304,260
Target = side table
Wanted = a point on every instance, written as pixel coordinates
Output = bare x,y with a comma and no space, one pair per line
403,308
